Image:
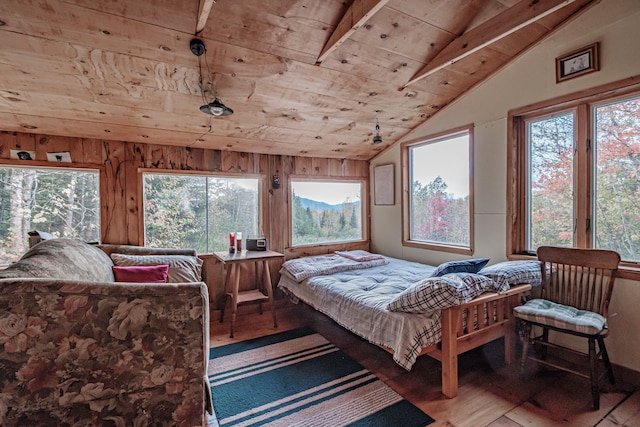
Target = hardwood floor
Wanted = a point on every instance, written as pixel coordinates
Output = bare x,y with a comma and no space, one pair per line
490,393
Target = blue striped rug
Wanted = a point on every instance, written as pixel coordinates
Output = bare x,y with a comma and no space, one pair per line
298,378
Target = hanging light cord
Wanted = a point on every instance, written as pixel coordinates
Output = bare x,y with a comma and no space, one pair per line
202,89
204,101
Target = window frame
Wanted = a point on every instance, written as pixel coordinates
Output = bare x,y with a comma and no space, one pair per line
364,203
262,194
581,161
406,187
581,103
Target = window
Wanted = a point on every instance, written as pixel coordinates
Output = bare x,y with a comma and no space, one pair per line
62,201
616,135
582,180
326,211
550,182
199,211
438,203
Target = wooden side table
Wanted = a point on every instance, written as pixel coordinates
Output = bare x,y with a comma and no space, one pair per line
232,281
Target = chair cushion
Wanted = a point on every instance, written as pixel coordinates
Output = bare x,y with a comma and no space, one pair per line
560,316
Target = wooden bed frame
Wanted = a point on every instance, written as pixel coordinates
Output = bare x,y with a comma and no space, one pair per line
460,333
497,312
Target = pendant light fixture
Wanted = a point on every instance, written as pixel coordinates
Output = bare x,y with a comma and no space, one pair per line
215,107
377,139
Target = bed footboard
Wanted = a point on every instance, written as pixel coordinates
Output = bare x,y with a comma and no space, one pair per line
465,327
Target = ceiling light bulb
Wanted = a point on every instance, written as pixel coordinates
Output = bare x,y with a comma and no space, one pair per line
216,110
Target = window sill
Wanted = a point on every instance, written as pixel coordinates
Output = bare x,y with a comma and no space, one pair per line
325,248
462,250
630,272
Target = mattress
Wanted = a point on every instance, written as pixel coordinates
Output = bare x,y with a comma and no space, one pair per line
357,300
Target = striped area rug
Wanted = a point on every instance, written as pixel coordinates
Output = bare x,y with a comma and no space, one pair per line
298,378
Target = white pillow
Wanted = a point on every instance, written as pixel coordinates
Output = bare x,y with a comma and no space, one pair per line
182,268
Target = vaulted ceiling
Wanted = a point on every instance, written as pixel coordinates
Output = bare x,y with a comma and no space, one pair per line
304,77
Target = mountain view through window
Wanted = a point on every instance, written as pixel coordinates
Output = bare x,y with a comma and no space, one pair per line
326,211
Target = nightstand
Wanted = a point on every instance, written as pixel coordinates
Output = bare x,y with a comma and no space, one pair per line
232,263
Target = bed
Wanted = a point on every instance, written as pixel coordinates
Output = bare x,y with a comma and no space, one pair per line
411,309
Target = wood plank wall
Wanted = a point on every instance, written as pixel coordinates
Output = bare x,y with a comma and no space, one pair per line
119,163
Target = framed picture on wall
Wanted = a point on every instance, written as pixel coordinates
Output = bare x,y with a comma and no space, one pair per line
384,185
577,63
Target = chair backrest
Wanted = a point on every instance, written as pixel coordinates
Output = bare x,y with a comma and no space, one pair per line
581,278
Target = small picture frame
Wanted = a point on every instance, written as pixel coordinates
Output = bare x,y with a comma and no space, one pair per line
22,155
384,184
62,156
577,63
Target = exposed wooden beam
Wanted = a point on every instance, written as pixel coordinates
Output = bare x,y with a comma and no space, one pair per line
358,13
508,22
203,14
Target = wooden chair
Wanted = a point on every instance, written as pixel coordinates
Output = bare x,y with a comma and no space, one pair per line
576,290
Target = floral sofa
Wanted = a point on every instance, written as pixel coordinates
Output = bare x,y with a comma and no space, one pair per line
79,349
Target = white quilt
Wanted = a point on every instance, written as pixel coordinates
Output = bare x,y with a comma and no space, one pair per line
303,268
357,300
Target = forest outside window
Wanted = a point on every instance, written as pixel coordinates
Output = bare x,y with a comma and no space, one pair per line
579,184
199,211
64,202
326,211
437,192
550,207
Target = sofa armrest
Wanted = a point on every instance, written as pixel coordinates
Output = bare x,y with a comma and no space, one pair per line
74,352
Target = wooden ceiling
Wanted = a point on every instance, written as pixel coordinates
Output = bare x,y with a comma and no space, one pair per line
304,77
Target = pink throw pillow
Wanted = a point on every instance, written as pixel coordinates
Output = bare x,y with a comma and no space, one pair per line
142,273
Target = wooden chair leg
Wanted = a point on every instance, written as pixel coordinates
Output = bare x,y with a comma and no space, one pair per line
607,362
509,348
525,348
545,339
593,362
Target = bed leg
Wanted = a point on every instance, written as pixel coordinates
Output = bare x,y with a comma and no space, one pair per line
449,352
